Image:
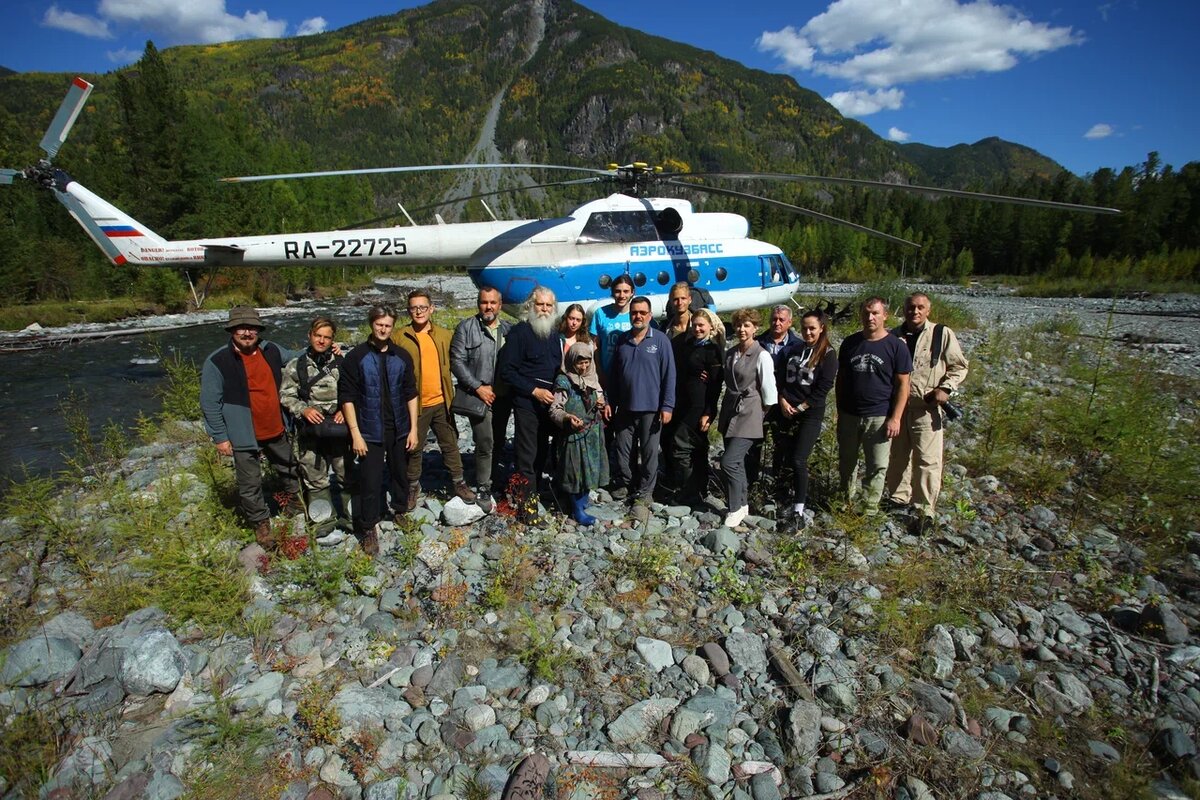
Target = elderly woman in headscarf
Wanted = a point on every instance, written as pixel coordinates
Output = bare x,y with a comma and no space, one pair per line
582,463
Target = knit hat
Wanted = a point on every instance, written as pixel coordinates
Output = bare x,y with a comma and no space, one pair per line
240,316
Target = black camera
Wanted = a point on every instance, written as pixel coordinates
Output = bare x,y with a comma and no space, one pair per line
952,412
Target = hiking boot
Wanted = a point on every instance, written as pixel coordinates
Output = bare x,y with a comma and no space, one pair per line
640,512
414,497
619,493
464,493
263,535
483,499
370,543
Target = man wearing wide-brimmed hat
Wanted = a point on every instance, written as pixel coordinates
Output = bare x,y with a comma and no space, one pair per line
239,395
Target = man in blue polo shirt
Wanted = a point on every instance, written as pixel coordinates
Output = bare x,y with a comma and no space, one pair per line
642,395
872,391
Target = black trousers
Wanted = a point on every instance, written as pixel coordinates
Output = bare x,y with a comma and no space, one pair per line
796,441
531,442
368,505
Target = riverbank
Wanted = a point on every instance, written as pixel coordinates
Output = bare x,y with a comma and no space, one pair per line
1041,644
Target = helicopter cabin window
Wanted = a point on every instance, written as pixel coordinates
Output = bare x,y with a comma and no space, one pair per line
722,273
620,226
639,279
663,277
773,270
693,276
605,281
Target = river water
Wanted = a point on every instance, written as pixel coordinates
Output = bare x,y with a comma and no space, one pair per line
113,379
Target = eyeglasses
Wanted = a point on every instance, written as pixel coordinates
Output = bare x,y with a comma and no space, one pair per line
418,309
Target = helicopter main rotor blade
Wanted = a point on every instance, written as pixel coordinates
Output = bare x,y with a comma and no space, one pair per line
808,212
68,112
422,168
990,198
464,198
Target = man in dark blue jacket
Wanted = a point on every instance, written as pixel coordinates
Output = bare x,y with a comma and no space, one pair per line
528,362
239,396
378,396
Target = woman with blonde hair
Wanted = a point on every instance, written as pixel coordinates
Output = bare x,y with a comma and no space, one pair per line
749,394
698,372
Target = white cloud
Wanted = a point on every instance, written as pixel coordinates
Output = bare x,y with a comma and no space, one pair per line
311,26
123,56
887,44
789,45
897,135
860,103
1100,130
191,21
82,24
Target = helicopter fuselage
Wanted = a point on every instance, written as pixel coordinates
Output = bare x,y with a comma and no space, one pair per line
656,241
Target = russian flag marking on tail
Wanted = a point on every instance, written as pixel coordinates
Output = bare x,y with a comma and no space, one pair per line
114,231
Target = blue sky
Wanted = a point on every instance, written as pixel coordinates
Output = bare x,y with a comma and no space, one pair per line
1090,84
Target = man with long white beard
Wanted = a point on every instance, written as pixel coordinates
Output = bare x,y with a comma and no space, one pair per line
528,363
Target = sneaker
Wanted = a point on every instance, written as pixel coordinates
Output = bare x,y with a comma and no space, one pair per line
263,535
735,518
370,543
799,523
484,500
464,493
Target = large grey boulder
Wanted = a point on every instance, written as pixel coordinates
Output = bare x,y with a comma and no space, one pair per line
153,662
38,660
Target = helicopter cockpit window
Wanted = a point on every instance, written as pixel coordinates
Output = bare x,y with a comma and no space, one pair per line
620,226
605,281
640,279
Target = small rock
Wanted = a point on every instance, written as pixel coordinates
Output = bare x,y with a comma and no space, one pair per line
637,721
655,652
696,668
918,730
153,662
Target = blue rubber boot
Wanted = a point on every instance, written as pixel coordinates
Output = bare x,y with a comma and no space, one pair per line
579,504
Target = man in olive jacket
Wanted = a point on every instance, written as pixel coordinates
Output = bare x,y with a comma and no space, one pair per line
429,346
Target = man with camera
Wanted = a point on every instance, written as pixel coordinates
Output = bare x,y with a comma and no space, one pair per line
914,474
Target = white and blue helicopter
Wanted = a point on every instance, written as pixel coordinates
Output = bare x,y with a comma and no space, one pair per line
656,241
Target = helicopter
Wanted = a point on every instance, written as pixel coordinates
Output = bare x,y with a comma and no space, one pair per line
656,241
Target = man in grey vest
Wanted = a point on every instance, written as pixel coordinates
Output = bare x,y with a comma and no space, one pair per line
473,352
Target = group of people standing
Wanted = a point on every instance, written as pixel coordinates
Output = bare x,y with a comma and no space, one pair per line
592,404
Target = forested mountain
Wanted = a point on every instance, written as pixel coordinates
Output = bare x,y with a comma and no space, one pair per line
564,86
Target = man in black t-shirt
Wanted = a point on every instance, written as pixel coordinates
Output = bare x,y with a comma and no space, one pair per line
872,390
